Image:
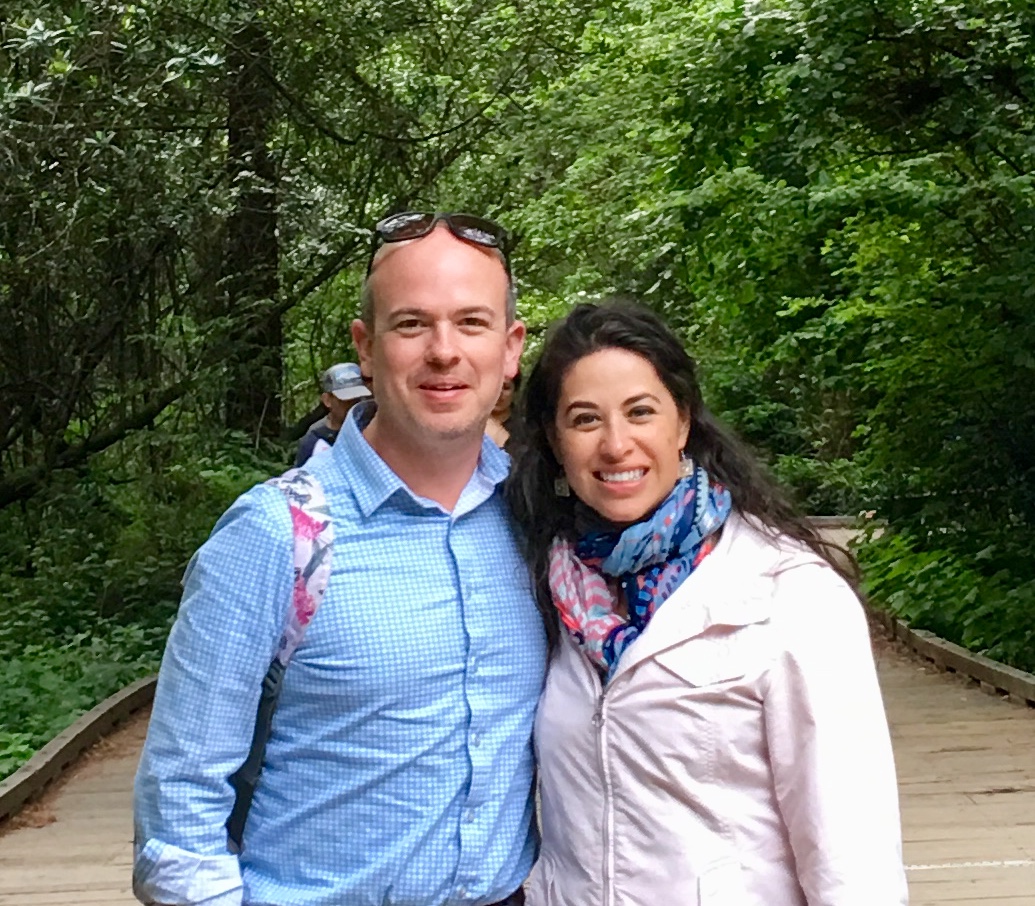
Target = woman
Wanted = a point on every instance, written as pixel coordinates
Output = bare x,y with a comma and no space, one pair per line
711,731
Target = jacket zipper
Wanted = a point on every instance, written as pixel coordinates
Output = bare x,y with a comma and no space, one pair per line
600,722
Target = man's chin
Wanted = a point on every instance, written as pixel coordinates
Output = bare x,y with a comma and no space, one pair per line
449,430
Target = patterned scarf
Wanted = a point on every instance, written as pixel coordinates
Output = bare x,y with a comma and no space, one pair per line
649,560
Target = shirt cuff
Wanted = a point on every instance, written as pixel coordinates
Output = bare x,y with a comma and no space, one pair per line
167,875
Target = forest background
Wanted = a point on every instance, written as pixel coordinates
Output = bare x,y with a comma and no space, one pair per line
832,201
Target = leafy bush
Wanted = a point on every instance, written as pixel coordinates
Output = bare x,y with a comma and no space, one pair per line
938,591
833,202
111,543
45,688
823,487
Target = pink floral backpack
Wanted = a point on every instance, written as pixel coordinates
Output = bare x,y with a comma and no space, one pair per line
313,532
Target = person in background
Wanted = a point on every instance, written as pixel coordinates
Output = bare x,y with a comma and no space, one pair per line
499,427
711,730
399,769
342,386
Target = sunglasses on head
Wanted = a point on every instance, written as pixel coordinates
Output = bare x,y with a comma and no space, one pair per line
415,224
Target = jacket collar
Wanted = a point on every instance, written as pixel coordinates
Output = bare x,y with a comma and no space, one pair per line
733,586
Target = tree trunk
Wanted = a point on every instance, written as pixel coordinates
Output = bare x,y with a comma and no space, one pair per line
250,268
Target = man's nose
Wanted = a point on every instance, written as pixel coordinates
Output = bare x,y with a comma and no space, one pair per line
442,348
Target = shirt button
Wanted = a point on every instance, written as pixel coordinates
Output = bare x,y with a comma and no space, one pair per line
461,892
476,740
469,817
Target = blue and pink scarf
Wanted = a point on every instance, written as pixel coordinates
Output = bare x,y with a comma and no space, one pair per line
647,561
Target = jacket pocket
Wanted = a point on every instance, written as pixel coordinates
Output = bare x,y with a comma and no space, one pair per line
722,884
717,657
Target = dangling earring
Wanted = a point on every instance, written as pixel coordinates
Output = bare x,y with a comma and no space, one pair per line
561,488
686,465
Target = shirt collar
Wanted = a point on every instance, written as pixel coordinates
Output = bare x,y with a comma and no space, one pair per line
373,482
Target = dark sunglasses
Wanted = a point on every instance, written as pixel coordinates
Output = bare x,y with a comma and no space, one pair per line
414,224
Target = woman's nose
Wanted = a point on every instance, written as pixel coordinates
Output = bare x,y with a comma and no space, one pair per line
615,441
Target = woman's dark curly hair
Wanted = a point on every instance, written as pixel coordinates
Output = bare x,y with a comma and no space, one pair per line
529,490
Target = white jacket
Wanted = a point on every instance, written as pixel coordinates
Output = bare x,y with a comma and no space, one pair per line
739,757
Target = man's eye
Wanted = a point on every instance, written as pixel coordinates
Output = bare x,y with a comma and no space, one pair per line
475,323
408,324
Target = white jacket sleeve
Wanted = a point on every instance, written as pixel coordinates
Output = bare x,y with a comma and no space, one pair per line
829,746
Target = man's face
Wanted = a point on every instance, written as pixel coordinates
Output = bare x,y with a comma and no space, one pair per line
336,409
440,347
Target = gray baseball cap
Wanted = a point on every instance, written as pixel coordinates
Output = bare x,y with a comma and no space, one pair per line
345,381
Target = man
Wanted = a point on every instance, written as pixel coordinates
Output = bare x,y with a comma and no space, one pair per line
342,387
399,770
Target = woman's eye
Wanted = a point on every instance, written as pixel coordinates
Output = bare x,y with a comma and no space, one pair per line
641,412
583,419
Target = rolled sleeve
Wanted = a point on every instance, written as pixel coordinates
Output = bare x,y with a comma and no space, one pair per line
236,591
165,875
831,753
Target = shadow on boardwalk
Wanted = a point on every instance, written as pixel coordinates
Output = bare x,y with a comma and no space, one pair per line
966,764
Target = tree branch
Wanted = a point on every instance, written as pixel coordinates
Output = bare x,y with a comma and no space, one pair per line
25,483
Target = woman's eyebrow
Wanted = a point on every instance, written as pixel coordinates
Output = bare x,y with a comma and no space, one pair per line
641,396
580,404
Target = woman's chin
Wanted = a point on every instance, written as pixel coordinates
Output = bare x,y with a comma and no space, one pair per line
623,513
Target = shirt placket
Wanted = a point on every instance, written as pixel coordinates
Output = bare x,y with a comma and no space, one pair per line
473,832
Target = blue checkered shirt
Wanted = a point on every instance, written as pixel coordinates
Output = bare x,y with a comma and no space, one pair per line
400,769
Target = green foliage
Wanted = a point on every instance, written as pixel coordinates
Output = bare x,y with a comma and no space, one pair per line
43,688
828,486
834,203
108,545
952,597
177,177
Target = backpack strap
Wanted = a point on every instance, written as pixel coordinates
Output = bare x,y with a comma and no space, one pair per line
313,532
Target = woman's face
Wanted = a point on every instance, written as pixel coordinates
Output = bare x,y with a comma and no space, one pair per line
618,434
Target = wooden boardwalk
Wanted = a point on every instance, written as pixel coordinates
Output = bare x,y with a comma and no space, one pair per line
966,763
966,769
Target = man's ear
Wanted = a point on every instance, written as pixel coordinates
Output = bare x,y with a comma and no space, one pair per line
515,346
363,340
